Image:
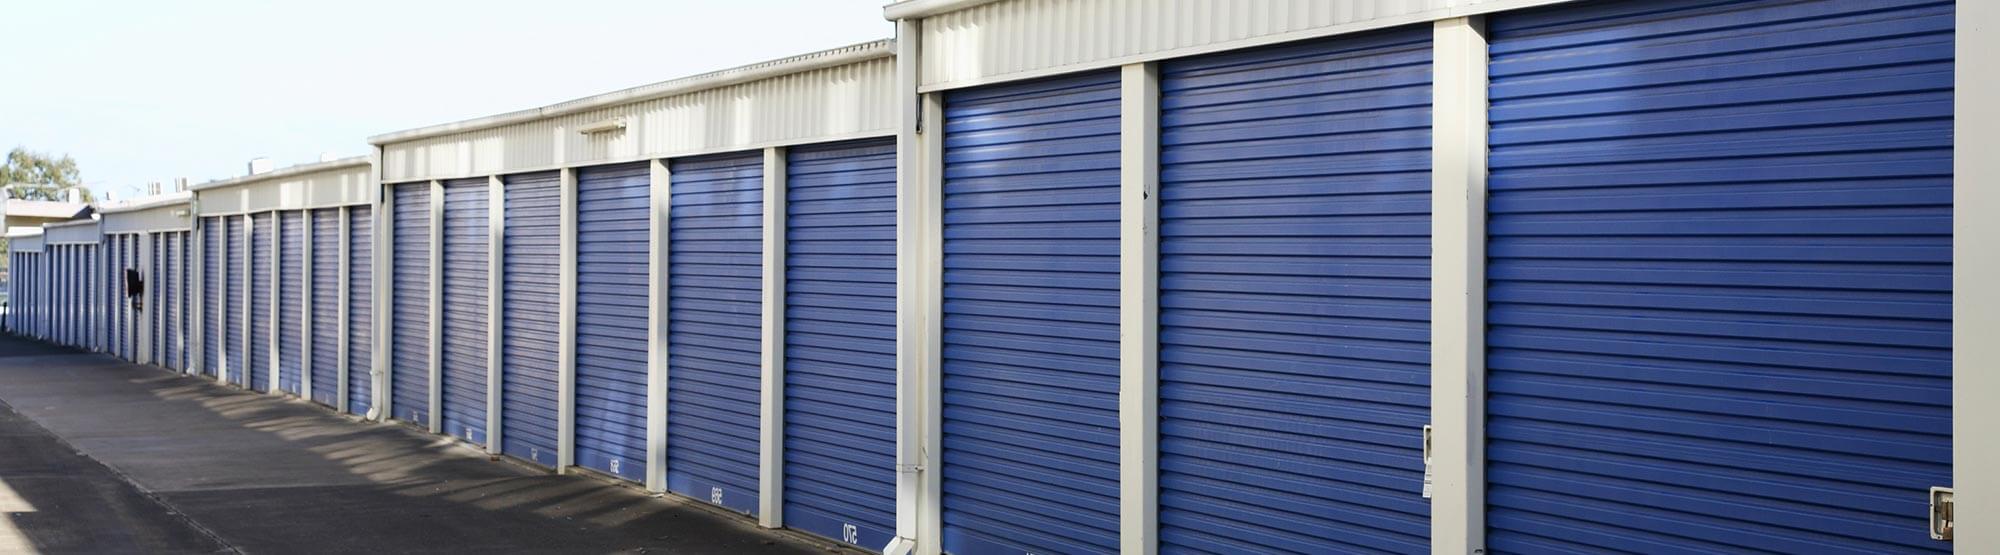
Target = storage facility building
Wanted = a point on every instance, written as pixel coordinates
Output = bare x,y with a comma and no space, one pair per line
1082,276
279,311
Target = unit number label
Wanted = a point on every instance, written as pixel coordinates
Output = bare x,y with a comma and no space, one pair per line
614,466
850,533
715,495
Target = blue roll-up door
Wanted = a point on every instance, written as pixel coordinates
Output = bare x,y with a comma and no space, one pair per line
128,246
715,327
1294,285
1719,276
410,320
1030,374
291,301
613,243
262,243
360,309
234,357
211,294
326,306
531,271
467,249
171,304
840,341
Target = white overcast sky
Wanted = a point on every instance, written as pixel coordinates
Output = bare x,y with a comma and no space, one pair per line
142,91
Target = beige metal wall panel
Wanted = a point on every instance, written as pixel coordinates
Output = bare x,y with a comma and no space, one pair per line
24,243
321,185
1021,39
164,217
842,102
72,233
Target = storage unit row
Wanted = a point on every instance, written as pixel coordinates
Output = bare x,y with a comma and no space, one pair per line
1533,276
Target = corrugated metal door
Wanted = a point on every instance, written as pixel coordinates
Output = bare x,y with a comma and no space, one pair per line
531,260
613,243
291,301
715,328
840,341
1030,353
466,253
238,360
261,245
1294,287
212,295
170,306
128,255
177,323
360,309
410,297
156,297
1719,276
326,306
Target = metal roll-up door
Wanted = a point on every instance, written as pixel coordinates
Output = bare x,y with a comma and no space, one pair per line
360,309
840,341
234,359
531,271
1719,276
262,243
156,298
61,280
291,301
467,250
184,299
170,300
715,327
410,288
1030,371
1294,321
212,297
613,245
326,306
128,317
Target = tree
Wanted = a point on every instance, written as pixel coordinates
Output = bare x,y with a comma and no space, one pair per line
36,176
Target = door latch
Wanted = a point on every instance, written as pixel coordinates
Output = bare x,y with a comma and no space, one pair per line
1941,517
1428,480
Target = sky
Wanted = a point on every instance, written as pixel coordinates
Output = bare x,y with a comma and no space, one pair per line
143,91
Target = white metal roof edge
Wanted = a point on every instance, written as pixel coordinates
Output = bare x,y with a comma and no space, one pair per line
71,223
148,203
881,48
919,9
288,171
25,234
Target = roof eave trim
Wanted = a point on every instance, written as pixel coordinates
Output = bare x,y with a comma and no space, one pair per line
755,72
919,9
290,171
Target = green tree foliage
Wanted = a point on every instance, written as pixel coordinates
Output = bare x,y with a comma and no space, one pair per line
37,176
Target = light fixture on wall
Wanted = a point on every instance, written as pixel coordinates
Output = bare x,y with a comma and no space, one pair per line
606,126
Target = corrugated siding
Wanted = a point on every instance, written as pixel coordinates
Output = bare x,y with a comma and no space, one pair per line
466,253
1294,289
613,237
212,295
855,100
410,297
326,306
1031,317
1013,39
715,328
840,341
344,184
291,301
232,308
261,245
360,309
1719,277
529,335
